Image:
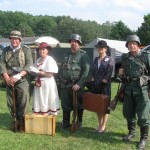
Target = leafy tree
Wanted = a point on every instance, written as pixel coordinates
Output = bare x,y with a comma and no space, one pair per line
120,31
44,25
144,31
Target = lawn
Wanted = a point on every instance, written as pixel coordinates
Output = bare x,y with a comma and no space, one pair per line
84,139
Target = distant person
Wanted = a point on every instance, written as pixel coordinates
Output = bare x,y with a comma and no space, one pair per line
73,73
45,95
135,73
15,62
101,76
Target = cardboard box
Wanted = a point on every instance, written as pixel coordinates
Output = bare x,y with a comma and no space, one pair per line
40,124
95,102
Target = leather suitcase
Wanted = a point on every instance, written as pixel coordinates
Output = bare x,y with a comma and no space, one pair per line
95,102
40,124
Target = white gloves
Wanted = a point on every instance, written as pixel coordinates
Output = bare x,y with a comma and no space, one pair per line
33,69
17,76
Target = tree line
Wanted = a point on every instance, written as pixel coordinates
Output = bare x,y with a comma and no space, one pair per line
60,27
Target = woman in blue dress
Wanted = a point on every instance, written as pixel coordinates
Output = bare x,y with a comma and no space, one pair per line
101,76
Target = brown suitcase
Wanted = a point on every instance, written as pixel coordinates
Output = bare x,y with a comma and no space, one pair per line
95,102
40,124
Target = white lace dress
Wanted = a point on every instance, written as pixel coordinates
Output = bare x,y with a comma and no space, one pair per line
45,98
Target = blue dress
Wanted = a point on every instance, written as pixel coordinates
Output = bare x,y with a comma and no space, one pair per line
102,71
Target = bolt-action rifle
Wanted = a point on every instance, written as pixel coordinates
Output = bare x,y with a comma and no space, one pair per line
14,108
119,97
75,121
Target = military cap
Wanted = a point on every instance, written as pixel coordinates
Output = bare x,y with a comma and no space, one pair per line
15,34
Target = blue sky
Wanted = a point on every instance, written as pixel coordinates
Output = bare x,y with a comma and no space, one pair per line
131,12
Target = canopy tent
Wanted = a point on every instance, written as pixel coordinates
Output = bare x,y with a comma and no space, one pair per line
118,46
48,39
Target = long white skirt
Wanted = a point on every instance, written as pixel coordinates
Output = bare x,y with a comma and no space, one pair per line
45,98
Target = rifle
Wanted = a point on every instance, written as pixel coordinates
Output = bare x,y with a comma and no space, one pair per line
119,97
75,121
14,109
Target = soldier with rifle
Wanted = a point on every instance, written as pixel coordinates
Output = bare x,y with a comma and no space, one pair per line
14,67
135,75
73,73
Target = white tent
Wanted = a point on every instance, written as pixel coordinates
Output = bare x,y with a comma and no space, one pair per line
48,39
118,47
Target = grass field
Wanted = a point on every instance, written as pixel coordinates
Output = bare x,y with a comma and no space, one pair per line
84,139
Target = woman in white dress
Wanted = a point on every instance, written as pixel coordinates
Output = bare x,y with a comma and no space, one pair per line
45,95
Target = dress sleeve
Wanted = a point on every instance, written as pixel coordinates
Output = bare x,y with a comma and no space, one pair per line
51,66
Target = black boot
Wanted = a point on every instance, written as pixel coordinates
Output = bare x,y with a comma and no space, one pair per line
131,134
80,115
144,135
66,120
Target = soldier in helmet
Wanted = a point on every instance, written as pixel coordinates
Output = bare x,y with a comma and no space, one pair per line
135,73
73,73
14,67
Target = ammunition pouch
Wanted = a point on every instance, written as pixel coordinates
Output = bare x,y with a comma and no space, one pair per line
144,80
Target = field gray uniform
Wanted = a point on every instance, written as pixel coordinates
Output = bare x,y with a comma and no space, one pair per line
136,99
74,70
12,63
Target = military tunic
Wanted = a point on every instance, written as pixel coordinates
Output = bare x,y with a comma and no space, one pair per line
74,70
136,100
12,63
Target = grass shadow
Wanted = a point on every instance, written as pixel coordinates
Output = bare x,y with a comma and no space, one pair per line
88,132
5,121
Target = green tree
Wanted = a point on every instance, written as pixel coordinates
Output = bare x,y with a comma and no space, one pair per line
144,31
120,31
44,25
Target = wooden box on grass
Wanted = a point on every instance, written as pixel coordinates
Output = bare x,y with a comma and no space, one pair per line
95,102
40,124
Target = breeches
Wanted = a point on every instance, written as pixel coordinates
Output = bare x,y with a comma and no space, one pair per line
21,99
67,99
137,103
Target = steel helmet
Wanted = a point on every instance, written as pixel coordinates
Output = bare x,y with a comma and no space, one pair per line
15,34
133,38
75,37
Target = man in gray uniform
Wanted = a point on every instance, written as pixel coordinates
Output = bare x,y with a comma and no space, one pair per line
73,73
136,71
14,67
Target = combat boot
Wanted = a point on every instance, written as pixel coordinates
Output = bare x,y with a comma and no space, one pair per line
80,115
131,134
22,126
66,120
144,136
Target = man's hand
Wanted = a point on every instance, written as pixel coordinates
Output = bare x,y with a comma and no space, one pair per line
76,87
14,79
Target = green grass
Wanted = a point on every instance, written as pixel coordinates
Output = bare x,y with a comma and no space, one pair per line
84,139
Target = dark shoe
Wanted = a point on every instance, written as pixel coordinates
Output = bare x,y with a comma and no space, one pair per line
65,125
128,137
101,132
80,125
22,128
141,144
16,126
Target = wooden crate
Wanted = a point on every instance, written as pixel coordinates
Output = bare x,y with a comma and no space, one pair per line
40,124
95,102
